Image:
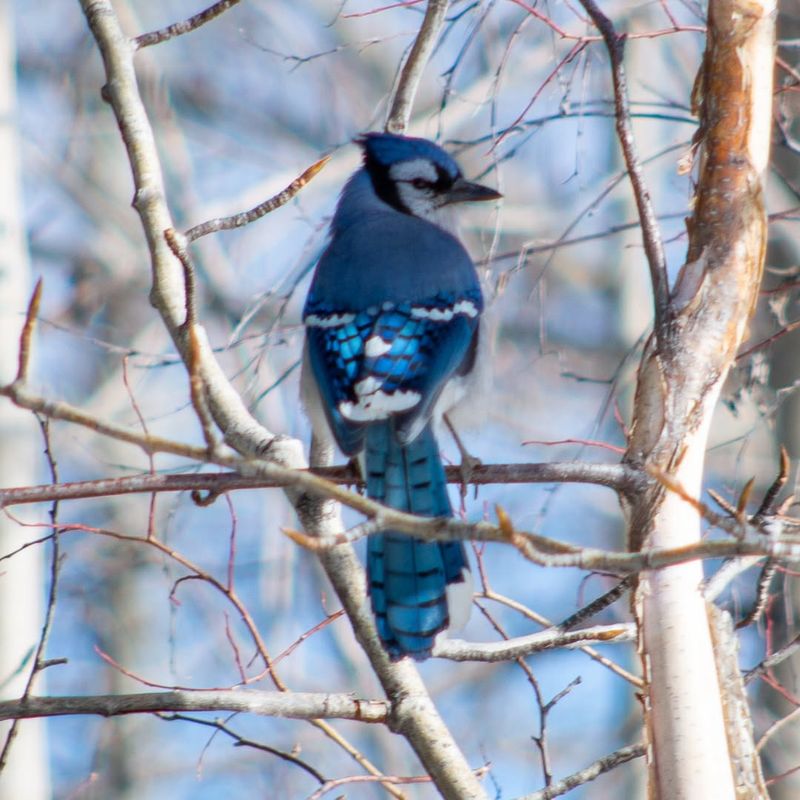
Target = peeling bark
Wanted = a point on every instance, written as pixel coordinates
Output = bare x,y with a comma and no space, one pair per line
682,371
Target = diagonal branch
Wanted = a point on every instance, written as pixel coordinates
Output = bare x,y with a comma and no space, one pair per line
415,716
185,26
411,74
602,765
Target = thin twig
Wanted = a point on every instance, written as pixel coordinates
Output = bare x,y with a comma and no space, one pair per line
773,660
541,739
762,594
459,650
587,774
596,606
27,333
775,727
540,619
197,392
246,217
651,234
187,25
40,663
241,741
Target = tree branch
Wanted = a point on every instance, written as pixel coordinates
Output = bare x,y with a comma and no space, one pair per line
414,715
289,705
589,773
246,217
681,374
185,26
614,476
411,73
459,650
651,233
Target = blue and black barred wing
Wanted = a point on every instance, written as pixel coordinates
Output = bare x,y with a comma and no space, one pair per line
391,361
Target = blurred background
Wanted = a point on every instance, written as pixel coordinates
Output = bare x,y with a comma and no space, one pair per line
240,107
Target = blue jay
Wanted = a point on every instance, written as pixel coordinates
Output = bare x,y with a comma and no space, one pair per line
391,334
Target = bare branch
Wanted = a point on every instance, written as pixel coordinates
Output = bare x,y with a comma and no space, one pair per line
415,715
411,74
529,613
187,25
40,662
459,650
290,705
27,333
589,773
651,233
616,476
241,741
788,650
596,606
246,217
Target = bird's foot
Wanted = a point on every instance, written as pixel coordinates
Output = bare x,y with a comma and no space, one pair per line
469,463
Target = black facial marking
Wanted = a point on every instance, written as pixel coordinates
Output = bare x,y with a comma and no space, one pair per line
444,180
384,186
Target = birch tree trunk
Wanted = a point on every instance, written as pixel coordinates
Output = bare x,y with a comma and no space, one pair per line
682,371
25,774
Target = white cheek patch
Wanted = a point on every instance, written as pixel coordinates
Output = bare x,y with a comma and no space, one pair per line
375,346
415,168
328,320
418,201
377,405
465,307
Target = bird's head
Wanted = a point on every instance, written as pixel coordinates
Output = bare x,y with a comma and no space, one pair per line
415,176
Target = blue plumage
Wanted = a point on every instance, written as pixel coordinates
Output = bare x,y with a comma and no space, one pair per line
407,577
391,318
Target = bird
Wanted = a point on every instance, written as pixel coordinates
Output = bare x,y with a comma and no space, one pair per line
391,336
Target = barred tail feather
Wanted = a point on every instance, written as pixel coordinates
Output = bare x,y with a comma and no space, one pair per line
412,582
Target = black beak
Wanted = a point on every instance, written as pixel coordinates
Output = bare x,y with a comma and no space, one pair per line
465,192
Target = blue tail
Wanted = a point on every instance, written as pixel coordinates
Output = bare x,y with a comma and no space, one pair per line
408,577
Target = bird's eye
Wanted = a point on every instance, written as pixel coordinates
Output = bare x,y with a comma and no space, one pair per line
420,183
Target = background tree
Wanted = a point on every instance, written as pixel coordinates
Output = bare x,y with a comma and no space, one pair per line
161,589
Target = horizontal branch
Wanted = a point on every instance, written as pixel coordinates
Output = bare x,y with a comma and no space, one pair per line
459,650
291,705
615,476
746,540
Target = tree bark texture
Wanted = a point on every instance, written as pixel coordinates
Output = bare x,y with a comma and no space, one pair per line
680,377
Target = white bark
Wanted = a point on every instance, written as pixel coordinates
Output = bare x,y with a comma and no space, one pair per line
691,757
683,368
